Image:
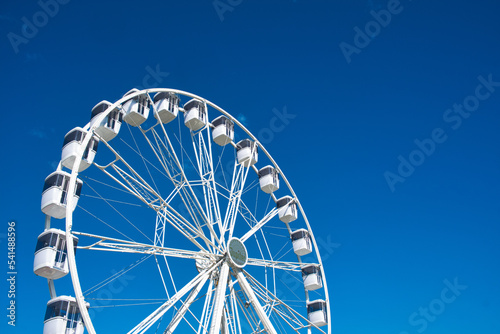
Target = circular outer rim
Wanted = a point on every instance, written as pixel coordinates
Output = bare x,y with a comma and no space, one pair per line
69,214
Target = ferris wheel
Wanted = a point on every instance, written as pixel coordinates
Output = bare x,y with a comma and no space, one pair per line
171,217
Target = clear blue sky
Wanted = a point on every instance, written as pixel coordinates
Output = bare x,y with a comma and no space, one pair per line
361,104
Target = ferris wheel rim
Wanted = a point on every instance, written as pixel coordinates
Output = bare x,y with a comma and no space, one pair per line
74,173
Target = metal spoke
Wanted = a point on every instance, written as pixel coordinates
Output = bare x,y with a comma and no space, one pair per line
240,174
184,308
260,224
124,246
206,171
144,325
220,298
207,309
283,265
242,281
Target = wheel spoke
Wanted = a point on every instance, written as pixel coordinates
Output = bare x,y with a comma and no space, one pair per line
242,281
206,171
205,316
124,246
159,312
283,265
220,298
233,309
240,174
260,224
184,308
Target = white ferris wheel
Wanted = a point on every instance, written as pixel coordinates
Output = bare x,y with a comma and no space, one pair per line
182,221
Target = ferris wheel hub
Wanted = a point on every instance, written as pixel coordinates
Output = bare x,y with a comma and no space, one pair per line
237,253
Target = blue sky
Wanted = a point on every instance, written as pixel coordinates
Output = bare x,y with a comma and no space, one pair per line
393,236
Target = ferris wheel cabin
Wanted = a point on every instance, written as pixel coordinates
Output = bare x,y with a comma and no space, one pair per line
287,209
195,114
51,254
109,127
136,109
223,130
301,241
55,193
311,275
63,316
317,313
269,179
167,106
72,147
247,152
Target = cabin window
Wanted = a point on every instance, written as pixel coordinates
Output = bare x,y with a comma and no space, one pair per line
143,105
56,309
76,135
114,117
194,104
218,121
173,99
283,201
310,270
99,109
223,121
159,96
299,235
74,316
55,180
314,307
203,113
266,171
78,188
246,143
95,143
48,240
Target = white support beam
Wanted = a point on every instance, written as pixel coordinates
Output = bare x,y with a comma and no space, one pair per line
220,298
260,224
242,281
183,309
283,265
144,325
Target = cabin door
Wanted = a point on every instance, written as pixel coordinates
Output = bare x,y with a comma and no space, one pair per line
73,319
60,254
64,192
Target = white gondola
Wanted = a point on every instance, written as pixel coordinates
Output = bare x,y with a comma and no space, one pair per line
136,109
63,316
316,312
247,152
311,274
51,254
109,127
195,114
269,179
287,209
72,146
223,130
167,106
301,241
55,193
